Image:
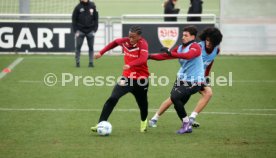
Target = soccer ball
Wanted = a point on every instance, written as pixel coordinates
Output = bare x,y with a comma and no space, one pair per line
104,128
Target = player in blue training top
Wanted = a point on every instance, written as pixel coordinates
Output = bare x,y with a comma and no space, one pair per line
210,40
190,76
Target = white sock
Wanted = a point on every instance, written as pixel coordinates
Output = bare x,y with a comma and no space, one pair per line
155,117
186,119
194,114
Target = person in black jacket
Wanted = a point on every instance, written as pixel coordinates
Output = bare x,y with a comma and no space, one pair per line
195,8
169,9
85,24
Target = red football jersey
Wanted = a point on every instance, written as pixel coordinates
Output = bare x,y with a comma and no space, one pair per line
135,56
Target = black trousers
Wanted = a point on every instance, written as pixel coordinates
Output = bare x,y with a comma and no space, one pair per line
181,93
139,88
90,42
195,8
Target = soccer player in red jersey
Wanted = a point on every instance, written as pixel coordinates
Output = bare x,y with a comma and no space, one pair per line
135,75
190,76
210,40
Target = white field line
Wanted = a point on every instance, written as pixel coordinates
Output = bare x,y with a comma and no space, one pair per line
11,66
234,81
259,109
254,81
35,81
125,110
241,57
29,81
69,56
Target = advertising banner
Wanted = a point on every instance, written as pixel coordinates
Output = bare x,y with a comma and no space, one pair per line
163,35
36,37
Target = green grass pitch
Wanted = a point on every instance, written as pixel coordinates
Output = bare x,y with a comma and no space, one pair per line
238,122
37,121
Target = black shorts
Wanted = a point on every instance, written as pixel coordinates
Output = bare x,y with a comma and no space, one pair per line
139,88
184,88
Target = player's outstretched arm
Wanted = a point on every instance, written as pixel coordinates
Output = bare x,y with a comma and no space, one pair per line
166,50
159,56
97,55
110,46
165,55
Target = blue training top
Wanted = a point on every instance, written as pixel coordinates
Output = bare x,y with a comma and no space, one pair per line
190,70
208,58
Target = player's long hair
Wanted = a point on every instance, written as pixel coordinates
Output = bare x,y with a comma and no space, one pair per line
213,33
